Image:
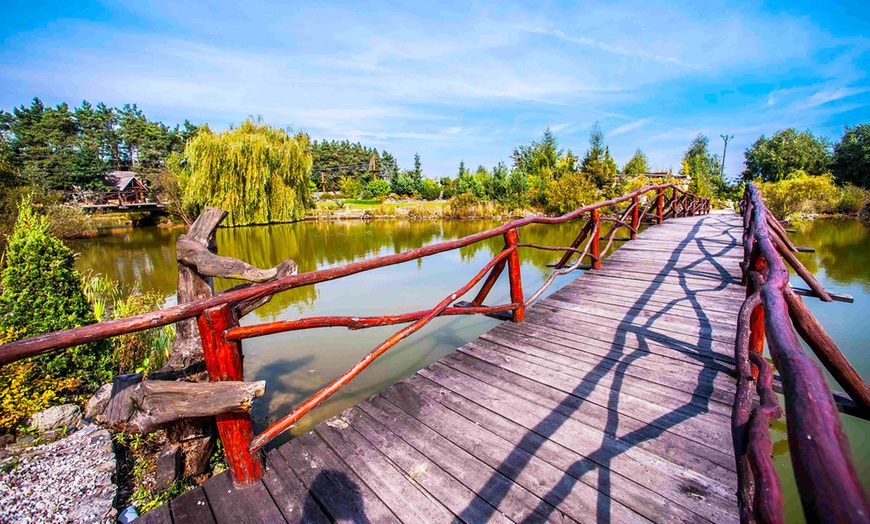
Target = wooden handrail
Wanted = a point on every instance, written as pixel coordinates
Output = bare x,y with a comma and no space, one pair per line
827,481
222,335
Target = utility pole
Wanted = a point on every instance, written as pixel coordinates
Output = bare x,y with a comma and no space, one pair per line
725,138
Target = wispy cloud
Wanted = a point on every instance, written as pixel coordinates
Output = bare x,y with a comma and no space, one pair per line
631,126
611,48
832,95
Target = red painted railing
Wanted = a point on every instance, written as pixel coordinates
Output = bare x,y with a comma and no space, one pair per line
222,335
829,487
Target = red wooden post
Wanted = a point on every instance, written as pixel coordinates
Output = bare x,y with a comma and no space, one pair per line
635,216
595,250
756,320
511,238
223,361
660,205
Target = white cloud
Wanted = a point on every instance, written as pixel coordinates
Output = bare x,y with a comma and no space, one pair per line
631,126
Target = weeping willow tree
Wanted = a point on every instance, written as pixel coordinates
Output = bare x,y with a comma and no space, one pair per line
257,173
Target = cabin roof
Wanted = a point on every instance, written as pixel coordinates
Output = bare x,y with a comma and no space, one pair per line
119,180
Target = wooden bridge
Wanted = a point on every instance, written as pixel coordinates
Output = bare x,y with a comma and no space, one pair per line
626,396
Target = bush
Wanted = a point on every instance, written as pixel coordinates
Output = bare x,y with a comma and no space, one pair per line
430,190
42,292
69,222
350,186
571,191
800,193
377,188
25,390
852,199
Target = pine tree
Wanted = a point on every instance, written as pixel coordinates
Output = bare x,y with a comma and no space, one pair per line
637,164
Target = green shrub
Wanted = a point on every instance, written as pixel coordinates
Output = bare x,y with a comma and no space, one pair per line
852,199
69,222
350,186
42,292
377,188
571,191
430,190
800,193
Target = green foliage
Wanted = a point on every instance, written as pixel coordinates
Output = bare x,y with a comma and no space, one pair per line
377,188
517,190
25,389
472,183
852,199
772,159
403,184
61,147
539,159
257,173
42,292
598,165
430,189
851,160
570,192
139,352
703,168
350,186
800,193
335,159
637,164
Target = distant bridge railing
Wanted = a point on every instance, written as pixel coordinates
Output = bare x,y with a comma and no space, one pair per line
221,334
827,481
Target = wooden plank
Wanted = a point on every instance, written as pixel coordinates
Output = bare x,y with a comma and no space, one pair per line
658,356
159,515
521,466
240,506
640,428
663,371
630,462
583,290
191,508
400,492
579,470
671,335
707,421
291,497
499,491
440,484
339,492
640,313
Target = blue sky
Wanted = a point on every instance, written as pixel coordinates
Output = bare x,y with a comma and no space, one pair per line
456,81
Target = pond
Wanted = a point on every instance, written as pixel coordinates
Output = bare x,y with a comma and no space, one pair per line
842,264
296,365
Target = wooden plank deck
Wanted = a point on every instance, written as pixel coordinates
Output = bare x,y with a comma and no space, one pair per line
611,403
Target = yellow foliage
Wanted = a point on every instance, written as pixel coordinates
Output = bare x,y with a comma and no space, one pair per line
25,390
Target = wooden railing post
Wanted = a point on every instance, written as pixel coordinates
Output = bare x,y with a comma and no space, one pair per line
758,264
595,249
635,217
660,205
511,239
223,361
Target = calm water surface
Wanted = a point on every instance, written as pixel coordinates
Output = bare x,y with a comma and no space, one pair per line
296,365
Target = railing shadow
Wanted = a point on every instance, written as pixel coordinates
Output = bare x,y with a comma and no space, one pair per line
617,360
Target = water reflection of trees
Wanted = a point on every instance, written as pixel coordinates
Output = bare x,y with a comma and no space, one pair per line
842,249
147,256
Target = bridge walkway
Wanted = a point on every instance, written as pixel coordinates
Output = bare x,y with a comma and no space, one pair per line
610,403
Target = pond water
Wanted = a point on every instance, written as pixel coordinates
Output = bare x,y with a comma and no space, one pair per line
296,365
842,264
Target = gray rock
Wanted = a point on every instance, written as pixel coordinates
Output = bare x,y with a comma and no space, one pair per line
57,417
96,407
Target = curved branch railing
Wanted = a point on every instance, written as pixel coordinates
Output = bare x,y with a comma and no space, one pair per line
217,316
828,484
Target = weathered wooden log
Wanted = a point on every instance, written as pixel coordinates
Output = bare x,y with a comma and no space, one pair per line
198,265
139,406
826,350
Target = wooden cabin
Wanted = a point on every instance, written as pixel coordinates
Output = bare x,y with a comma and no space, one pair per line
125,189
